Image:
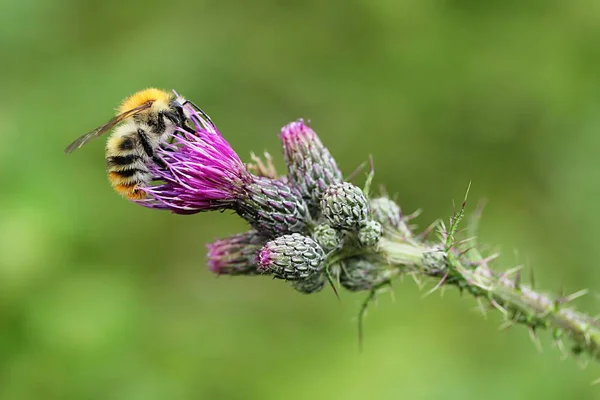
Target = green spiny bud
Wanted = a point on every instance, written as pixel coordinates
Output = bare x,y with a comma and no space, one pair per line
385,211
312,284
345,206
327,237
369,233
435,260
362,274
388,213
291,257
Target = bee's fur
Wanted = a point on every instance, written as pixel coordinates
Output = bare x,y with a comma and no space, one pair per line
145,120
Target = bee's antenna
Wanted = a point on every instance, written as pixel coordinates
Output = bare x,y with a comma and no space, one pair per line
199,110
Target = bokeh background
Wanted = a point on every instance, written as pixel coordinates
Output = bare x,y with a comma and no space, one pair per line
102,299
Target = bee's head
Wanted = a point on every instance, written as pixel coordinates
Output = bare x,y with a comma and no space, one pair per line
176,113
178,107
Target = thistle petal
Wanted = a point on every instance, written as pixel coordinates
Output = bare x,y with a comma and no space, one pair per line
201,171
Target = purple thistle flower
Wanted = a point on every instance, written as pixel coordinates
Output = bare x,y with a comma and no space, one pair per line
311,168
235,255
201,172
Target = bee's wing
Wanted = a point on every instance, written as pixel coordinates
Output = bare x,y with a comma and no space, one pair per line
83,139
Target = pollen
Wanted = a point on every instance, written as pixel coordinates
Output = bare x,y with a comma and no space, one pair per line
132,192
143,96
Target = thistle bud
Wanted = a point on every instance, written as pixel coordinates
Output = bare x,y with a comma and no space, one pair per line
235,255
369,233
361,274
327,237
435,260
345,206
312,284
291,257
388,213
272,207
311,168
385,211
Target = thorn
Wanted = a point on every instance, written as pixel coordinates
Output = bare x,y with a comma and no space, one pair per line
392,294
531,278
463,241
475,217
464,204
461,230
487,260
332,284
506,325
465,251
587,337
417,280
361,315
425,234
436,287
511,271
536,340
356,171
571,297
384,192
413,215
583,363
561,347
370,175
482,308
499,307
561,292
517,281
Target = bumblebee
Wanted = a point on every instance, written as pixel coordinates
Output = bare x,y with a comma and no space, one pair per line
143,122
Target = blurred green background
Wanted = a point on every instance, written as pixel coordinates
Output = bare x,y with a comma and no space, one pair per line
102,299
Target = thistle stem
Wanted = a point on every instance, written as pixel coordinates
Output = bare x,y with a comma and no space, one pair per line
520,304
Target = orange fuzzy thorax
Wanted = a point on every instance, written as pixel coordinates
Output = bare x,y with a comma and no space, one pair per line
144,96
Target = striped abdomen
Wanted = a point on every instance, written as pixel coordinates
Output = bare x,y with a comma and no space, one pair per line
126,166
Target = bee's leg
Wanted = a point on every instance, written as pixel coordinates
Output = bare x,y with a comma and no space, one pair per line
159,162
148,148
178,118
145,143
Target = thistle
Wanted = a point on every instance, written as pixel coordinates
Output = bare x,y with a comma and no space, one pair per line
291,257
235,255
311,168
327,237
201,172
311,227
313,284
